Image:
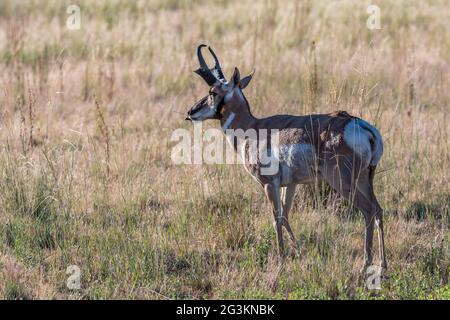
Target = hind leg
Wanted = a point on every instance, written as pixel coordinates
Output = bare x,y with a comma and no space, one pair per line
378,220
353,185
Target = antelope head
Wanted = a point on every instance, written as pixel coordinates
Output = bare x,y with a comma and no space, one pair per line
223,96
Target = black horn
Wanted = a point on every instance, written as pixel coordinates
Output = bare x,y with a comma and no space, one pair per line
217,67
201,60
209,75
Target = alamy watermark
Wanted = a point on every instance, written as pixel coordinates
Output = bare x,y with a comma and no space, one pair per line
254,147
373,280
74,279
73,22
374,19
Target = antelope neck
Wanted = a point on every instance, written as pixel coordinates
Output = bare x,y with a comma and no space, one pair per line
237,120
229,120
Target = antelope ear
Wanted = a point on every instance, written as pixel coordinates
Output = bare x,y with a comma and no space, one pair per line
246,80
236,77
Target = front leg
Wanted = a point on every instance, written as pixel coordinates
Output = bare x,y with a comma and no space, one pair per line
272,191
287,196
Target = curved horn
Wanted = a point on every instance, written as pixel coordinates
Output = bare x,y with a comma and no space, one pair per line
204,70
201,60
217,66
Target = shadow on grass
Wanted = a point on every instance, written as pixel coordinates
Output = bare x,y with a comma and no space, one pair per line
323,196
437,208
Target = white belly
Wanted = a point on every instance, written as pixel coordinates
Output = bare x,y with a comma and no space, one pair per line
296,163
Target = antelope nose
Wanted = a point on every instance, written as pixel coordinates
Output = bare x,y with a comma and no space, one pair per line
188,117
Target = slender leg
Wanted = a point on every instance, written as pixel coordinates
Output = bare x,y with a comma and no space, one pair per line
356,188
368,255
272,191
379,221
287,196
365,201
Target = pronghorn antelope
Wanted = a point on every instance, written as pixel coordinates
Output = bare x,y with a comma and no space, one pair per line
338,148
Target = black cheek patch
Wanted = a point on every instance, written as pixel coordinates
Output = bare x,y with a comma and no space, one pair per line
219,108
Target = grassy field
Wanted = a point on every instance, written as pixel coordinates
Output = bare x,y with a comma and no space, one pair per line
86,176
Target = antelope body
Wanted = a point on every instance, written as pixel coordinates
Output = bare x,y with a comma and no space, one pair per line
337,148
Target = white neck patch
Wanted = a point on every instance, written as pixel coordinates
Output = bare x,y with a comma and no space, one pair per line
228,122
228,96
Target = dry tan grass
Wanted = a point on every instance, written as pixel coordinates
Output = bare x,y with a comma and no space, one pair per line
93,185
